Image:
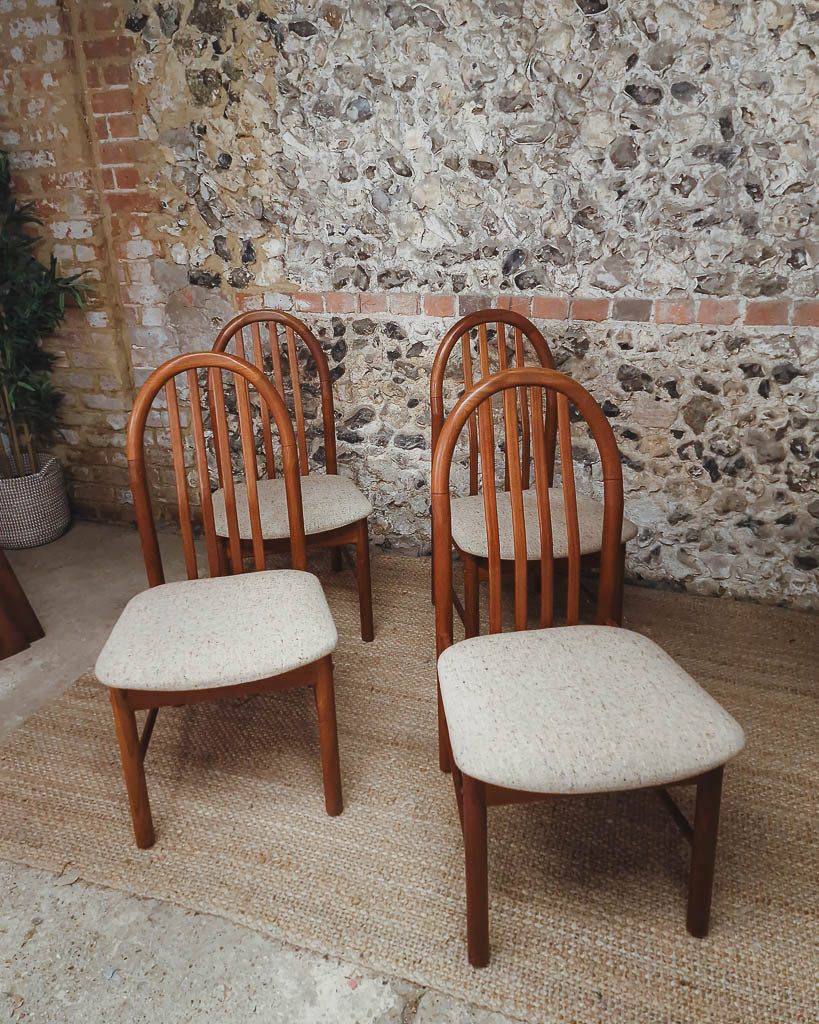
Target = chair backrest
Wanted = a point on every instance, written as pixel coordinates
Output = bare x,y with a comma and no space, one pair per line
493,354
267,339
180,411
529,384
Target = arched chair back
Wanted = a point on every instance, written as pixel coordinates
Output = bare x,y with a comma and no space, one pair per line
527,386
273,341
490,340
170,406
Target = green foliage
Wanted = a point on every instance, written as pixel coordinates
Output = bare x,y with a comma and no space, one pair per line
32,303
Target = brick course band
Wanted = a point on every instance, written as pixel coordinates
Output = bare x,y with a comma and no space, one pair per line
781,312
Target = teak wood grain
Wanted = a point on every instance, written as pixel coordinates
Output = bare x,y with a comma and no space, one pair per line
274,334
514,343
195,509
472,795
529,345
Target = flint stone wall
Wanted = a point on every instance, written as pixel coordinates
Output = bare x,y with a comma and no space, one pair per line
716,431
516,148
651,166
575,145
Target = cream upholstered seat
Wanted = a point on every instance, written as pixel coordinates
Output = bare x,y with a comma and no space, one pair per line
329,501
469,524
219,631
579,709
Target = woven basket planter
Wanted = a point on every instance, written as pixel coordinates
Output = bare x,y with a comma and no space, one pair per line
34,508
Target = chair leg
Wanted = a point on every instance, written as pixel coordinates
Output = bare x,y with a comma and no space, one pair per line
618,599
477,875
458,786
365,595
472,610
444,753
133,768
328,737
336,561
704,851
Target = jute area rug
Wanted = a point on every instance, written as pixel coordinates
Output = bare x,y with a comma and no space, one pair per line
587,896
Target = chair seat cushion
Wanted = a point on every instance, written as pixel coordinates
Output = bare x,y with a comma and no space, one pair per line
469,524
579,709
329,502
198,634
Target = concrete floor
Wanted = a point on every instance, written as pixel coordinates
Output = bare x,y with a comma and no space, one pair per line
77,586
71,952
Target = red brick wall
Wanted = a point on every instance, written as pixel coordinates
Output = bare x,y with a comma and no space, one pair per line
43,124
69,116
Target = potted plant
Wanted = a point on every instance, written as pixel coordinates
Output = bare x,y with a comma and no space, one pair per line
33,503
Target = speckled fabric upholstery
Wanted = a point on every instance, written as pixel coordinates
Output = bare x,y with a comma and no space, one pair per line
329,502
579,709
469,524
203,633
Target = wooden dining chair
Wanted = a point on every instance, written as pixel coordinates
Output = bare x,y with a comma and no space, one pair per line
489,341
560,710
335,510
219,636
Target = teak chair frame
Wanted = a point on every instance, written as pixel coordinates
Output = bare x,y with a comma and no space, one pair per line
319,674
475,568
336,540
474,796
